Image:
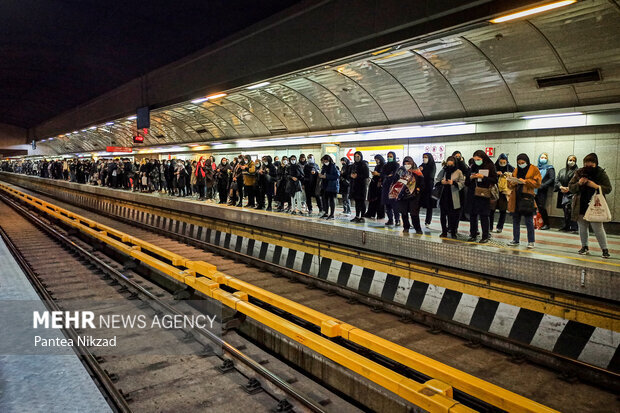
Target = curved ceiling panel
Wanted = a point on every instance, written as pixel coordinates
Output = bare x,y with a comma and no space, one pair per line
434,95
304,107
227,129
476,81
255,124
191,113
260,111
231,118
587,36
521,53
360,103
293,122
394,100
338,115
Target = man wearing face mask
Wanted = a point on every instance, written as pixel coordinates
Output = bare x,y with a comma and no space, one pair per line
360,174
565,197
311,174
548,180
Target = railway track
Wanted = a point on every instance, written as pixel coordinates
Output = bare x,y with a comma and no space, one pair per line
143,373
528,380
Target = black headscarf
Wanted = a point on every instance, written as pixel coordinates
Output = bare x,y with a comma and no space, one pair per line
522,172
449,170
380,163
429,168
390,167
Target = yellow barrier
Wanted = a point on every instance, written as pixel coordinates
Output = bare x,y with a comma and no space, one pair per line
434,395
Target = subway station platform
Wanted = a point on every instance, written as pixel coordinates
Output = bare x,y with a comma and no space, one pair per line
554,263
43,382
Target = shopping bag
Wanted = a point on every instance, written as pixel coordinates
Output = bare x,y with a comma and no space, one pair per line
597,211
538,221
396,189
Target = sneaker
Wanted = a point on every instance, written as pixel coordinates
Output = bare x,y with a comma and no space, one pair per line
454,236
397,224
419,232
361,220
330,217
530,245
427,225
406,230
485,240
356,219
497,230
443,235
512,243
545,227
605,254
472,239
389,223
323,216
584,251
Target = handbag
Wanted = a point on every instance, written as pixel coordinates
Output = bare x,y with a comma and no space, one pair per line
437,191
494,192
482,192
597,211
526,205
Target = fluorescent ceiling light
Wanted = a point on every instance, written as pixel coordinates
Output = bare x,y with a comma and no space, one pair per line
132,117
110,123
533,10
83,130
196,101
92,128
258,85
557,122
217,95
74,132
551,115
441,125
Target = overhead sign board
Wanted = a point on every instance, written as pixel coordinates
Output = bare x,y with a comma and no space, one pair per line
118,149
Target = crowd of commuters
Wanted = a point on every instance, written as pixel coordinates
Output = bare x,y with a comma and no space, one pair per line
463,191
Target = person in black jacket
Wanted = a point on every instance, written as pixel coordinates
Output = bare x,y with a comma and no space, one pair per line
565,197
344,184
329,185
409,199
267,176
548,180
462,166
200,172
375,207
428,169
311,177
295,176
359,185
504,169
483,176
389,177
222,176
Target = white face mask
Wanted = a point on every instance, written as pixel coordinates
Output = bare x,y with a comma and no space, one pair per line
311,160
325,163
293,161
425,160
571,163
407,166
284,162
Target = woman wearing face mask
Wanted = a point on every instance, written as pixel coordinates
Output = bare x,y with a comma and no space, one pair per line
521,202
295,175
249,180
281,195
452,180
222,175
388,177
375,207
311,177
267,177
548,180
345,185
462,166
428,169
330,186
481,178
565,197
504,170
360,175
200,178
583,185
409,198
238,181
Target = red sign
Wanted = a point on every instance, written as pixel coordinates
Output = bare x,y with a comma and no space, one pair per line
138,139
489,151
350,153
117,149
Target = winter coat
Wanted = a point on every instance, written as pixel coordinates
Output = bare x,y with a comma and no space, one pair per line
249,174
359,184
310,178
547,173
428,170
331,182
374,189
458,182
294,171
583,193
532,181
388,177
345,185
563,178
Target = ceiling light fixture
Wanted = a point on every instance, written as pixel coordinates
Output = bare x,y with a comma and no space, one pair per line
534,10
196,101
132,117
258,85
109,123
92,128
551,115
216,96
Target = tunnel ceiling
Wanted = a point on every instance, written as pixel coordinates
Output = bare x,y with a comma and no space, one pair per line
486,70
57,54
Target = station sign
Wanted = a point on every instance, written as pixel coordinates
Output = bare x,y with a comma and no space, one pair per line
118,149
490,151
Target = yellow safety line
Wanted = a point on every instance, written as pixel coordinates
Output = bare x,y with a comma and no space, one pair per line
439,398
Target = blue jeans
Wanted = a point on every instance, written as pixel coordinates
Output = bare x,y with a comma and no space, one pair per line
516,226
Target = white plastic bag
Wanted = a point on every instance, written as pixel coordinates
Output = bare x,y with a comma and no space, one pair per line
598,211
